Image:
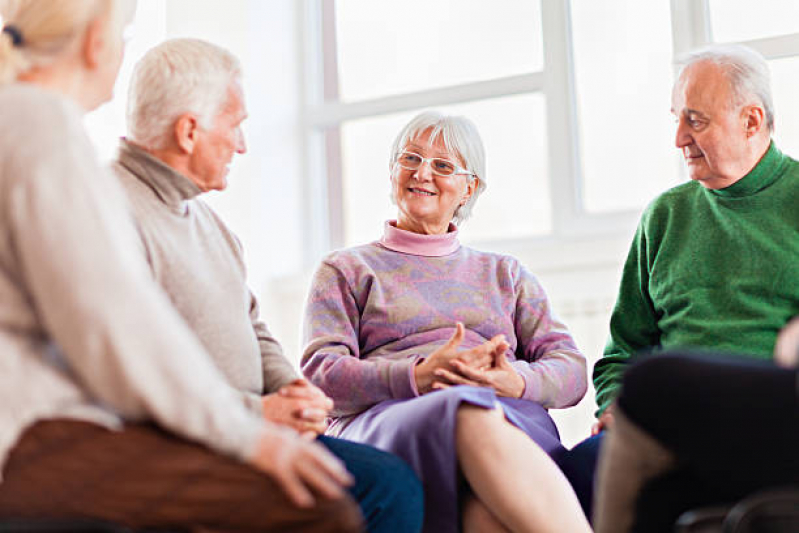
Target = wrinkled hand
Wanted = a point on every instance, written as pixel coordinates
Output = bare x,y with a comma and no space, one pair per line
786,351
478,357
299,405
301,467
604,422
499,374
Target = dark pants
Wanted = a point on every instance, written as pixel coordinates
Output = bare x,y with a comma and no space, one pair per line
142,477
386,488
579,467
732,423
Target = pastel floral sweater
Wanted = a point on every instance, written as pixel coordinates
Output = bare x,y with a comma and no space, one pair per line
375,311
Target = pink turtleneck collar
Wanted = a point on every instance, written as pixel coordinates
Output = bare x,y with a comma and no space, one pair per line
408,242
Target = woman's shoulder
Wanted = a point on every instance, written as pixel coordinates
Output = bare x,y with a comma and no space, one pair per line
37,121
498,259
26,106
352,257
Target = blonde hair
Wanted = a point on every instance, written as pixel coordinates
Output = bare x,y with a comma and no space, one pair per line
176,77
48,28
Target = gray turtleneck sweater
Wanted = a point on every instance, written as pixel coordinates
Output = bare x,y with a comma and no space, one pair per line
84,332
199,263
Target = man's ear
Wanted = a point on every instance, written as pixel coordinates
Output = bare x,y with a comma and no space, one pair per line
94,39
185,131
754,119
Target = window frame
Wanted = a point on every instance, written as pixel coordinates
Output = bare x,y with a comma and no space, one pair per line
572,224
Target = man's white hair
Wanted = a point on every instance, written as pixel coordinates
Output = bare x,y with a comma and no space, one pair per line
746,70
178,76
460,137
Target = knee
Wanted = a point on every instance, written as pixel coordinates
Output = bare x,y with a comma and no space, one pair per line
651,378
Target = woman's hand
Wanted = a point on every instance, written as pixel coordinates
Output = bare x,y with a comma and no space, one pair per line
425,373
500,375
301,467
786,351
299,405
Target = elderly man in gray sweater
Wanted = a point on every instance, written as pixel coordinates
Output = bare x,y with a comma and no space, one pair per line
185,111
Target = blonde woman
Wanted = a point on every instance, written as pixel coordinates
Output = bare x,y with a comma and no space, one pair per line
109,407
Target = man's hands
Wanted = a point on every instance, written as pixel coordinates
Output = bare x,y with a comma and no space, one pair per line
301,467
482,366
786,351
299,405
604,422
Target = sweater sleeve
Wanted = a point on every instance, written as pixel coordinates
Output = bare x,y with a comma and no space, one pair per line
633,323
277,370
553,369
331,359
124,343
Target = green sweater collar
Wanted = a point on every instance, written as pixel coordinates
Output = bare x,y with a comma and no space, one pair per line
768,170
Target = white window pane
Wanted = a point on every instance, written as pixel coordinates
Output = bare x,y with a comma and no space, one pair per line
784,87
743,20
388,47
623,70
516,202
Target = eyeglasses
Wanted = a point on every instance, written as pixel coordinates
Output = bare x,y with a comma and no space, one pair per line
439,166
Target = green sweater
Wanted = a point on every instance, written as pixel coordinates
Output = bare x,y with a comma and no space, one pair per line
709,269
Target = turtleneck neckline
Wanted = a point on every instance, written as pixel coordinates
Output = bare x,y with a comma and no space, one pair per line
408,242
768,170
171,187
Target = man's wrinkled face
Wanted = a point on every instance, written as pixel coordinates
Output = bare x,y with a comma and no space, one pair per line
711,126
215,146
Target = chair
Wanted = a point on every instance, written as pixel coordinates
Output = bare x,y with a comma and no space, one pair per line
771,511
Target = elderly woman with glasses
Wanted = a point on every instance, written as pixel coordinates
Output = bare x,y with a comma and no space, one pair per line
447,356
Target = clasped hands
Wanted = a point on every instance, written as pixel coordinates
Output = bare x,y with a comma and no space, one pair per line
299,405
485,365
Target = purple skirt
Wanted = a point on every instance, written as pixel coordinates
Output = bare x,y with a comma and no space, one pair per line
422,432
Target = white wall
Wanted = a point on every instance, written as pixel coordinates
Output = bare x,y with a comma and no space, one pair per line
265,203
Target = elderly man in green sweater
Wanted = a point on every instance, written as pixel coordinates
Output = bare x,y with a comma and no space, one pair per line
185,111
713,265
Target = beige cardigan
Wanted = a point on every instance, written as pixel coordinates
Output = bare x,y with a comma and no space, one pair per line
84,331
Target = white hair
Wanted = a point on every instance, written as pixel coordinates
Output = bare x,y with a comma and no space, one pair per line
178,76
746,71
460,137
46,28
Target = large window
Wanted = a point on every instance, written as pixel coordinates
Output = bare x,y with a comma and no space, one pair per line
572,99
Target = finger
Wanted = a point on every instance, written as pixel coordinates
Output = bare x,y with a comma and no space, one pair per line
457,337
331,464
297,391
309,435
317,428
440,385
454,379
312,415
470,373
295,489
500,359
476,360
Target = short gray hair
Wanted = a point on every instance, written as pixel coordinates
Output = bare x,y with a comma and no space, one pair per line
176,77
460,137
746,71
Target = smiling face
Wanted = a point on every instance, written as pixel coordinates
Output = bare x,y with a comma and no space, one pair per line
713,129
215,146
427,201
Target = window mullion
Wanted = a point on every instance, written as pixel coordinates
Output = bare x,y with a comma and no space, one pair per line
563,148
